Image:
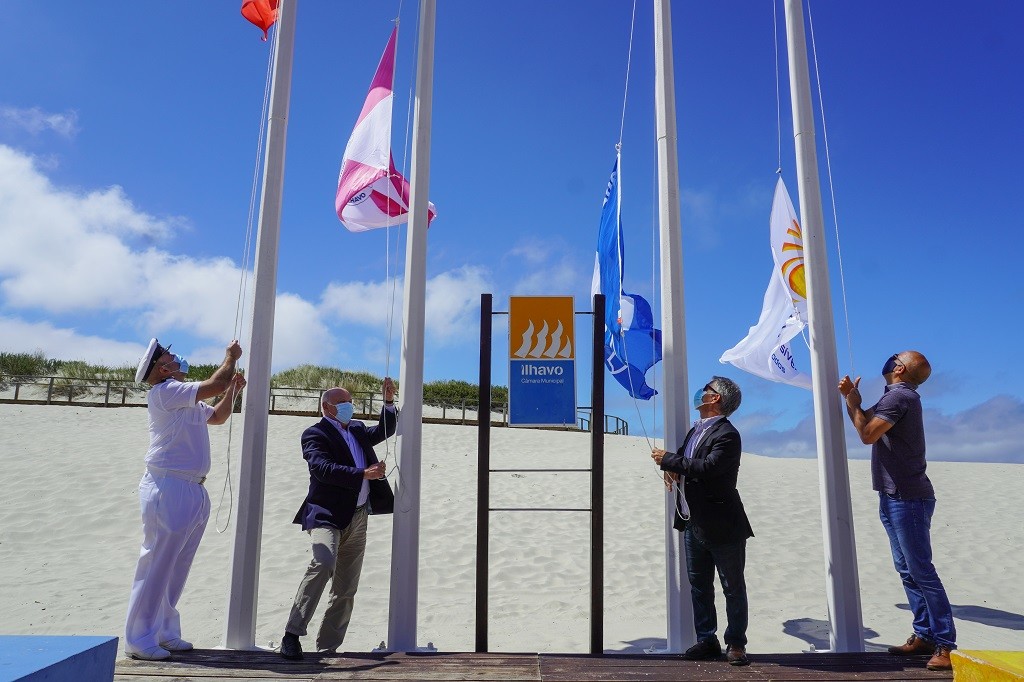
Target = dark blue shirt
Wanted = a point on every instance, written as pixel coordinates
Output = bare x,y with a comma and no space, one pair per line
897,458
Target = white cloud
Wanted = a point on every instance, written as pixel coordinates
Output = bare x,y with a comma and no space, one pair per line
34,120
532,250
184,293
71,253
18,336
363,303
560,278
451,307
300,335
990,432
453,303
549,267
66,251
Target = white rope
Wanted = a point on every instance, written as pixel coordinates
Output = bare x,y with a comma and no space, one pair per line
654,271
390,304
629,61
393,280
831,189
243,278
618,150
778,97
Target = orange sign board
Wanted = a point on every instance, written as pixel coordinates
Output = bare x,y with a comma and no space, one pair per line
541,328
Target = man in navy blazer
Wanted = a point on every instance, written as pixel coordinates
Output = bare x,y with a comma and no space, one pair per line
346,484
715,534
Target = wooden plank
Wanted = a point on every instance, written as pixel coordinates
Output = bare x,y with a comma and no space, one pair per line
763,667
239,666
211,665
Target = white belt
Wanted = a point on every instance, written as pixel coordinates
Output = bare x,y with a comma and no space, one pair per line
191,478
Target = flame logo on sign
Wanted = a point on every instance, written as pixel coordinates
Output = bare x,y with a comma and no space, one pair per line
793,268
546,345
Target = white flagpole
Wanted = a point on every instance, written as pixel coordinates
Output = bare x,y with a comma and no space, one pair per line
842,583
673,331
240,626
405,543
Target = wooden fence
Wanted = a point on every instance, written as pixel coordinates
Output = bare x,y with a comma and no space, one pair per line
283,400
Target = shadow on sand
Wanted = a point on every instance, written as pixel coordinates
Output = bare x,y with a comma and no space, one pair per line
815,632
984,615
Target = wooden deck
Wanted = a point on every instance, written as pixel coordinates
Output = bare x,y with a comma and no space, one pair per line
209,665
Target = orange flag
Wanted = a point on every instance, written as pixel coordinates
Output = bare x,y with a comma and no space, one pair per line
262,13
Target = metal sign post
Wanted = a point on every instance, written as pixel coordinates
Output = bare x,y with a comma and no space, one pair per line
544,340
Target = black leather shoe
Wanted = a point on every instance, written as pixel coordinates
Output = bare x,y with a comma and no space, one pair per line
705,650
291,648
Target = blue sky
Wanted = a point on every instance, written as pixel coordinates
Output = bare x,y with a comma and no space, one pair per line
128,141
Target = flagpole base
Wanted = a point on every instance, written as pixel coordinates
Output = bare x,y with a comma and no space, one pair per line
382,648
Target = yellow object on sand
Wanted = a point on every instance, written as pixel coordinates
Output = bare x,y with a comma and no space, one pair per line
988,666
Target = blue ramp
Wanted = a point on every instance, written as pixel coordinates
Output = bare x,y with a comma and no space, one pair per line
30,658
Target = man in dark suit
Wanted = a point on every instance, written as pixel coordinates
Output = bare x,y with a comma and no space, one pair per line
716,532
346,483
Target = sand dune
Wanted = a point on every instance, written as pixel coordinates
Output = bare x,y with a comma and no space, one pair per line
70,530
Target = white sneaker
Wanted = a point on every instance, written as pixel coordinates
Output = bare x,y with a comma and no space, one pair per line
155,653
177,645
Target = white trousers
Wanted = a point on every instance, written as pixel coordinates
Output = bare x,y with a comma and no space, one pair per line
174,516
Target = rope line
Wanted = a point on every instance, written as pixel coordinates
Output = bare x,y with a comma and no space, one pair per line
243,278
778,97
618,201
388,277
831,189
654,271
393,280
629,61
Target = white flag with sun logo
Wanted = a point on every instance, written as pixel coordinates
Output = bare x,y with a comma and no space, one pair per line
766,351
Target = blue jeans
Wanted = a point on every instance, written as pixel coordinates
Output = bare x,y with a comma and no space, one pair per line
729,559
908,524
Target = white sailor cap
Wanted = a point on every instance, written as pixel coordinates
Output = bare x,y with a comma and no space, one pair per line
154,351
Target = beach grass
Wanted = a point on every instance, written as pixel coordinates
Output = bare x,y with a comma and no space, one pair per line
72,378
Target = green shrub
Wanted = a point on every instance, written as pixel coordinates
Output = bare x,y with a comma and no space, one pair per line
122,373
74,375
455,392
316,376
25,364
201,372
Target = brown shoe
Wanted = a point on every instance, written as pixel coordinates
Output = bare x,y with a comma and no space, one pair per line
736,655
940,660
915,646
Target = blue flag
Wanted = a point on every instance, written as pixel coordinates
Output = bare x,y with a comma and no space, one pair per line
631,343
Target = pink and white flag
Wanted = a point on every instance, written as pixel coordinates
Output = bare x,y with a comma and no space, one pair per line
371,191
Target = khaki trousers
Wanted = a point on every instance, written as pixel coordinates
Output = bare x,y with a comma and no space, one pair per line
338,558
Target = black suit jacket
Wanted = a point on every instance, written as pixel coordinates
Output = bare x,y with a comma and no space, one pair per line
334,479
709,481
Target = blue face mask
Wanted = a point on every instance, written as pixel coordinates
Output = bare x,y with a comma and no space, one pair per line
345,412
182,364
698,398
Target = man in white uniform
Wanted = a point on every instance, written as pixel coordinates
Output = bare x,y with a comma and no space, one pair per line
175,505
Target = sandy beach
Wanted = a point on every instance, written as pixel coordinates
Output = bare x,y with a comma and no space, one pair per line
70,533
